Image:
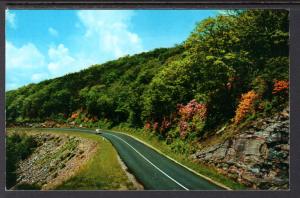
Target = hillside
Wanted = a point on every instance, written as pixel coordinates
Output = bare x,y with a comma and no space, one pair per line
232,71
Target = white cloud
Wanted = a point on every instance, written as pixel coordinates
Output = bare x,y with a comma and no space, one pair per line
109,30
106,35
52,31
26,56
26,64
10,18
61,62
22,63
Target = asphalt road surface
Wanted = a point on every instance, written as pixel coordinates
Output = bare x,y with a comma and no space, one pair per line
153,170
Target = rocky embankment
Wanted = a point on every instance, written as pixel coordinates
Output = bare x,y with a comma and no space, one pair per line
258,156
57,158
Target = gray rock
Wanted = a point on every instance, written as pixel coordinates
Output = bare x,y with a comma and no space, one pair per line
257,157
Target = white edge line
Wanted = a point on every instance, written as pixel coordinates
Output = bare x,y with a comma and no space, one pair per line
150,162
193,171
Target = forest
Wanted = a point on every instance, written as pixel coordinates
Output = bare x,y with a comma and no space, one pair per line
232,68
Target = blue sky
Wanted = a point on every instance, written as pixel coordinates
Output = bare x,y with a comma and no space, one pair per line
43,44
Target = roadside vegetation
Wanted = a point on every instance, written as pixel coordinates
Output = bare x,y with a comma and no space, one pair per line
231,70
181,157
18,147
101,171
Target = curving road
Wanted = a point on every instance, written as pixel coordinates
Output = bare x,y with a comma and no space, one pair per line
153,170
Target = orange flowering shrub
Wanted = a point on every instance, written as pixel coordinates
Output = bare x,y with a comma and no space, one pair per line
245,105
74,115
280,86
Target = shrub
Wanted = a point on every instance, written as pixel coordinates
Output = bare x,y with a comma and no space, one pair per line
179,146
183,127
26,186
280,93
192,117
165,125
155,126
192,108
147,126
18,147
104,124
60,117
245,106
266,107
259,85
75,115
280,86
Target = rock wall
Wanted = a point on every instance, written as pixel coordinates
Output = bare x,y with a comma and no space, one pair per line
257,157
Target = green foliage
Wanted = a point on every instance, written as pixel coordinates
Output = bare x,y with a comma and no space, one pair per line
18,147
179,146
104,124
168,88
25,186
60,117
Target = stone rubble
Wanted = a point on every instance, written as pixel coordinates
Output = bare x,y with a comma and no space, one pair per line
55,160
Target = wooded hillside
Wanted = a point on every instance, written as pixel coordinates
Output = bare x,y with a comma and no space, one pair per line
231,68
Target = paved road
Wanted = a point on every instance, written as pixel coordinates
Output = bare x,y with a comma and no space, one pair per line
153,170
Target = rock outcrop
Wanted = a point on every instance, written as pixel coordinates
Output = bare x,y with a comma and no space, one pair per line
258,156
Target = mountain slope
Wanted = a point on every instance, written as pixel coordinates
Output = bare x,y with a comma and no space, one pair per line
223,58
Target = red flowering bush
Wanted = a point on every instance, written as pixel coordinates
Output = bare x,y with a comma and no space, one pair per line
155,126
193,108
147,126
165,124
162,127
183,127
193,112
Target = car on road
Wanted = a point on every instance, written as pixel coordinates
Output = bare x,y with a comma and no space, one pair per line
98,131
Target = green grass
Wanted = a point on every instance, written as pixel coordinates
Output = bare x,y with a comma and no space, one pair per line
183,159
102,172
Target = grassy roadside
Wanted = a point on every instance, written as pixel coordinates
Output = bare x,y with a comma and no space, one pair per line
183,159
102,172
